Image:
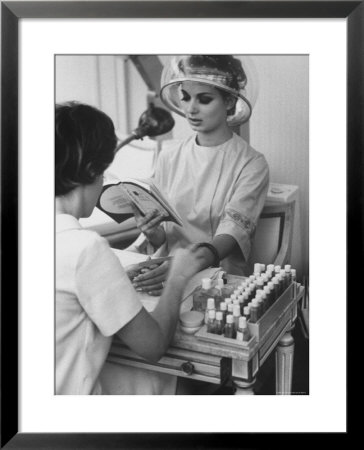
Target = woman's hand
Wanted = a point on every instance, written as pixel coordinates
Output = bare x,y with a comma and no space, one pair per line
185,263
149,225
152,279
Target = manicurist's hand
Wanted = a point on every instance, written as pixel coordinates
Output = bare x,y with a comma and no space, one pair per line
152,279
149,225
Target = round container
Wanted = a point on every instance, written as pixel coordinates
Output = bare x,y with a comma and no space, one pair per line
191,321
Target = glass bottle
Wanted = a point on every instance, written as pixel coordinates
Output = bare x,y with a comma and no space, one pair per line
219,297
219,324
229,327
287,269
268,296
236,315
254,309
211,321
230,308
210,307
242,333
276,287
273,297
246,312
223,310
201,295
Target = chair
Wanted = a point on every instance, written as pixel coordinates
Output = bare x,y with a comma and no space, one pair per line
274,234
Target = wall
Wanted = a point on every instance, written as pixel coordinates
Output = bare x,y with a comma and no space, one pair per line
278,127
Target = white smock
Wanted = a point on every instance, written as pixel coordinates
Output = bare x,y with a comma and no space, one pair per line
215,190
94,300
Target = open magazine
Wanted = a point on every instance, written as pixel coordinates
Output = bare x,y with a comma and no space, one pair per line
116,198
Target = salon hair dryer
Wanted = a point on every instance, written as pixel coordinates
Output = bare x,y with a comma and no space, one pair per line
153,122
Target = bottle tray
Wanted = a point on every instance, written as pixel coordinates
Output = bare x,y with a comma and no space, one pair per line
257,330
272,316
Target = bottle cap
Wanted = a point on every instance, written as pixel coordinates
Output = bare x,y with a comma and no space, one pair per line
246,310
245,296
223,306
242,322
282,272
252,277
293,271
241,298
228,300
192,319
236,310
287,267
266,289
233,296
257,268
236,302
271,284
229,318
206,283
275,280
237,292
259,292
212,314
260,282
219,315
277,268
262,267
255,302
230,307
220,283
270,267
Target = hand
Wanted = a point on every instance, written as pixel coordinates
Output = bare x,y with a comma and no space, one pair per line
151,279
149,225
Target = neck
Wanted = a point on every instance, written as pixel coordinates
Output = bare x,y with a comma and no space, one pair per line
214,138
69,204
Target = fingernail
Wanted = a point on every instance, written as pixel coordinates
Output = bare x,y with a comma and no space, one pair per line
139,290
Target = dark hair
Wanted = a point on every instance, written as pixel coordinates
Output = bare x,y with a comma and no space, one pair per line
85,145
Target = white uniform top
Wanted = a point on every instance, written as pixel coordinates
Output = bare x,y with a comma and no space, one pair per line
94,299
216,190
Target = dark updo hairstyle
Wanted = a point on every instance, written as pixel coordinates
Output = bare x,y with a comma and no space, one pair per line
227,68
85,145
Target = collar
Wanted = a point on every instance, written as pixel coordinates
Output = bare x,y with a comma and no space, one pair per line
66,222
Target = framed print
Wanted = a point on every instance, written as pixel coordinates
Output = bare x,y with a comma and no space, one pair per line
32,34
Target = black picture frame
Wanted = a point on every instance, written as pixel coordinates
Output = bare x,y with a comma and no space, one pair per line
11,12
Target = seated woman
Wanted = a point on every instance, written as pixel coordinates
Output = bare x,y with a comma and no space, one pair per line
94,297
214,179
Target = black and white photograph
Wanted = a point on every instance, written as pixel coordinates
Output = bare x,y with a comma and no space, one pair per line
181,199
181,224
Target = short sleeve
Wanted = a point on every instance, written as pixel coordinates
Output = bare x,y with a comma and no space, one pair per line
104,289
243,209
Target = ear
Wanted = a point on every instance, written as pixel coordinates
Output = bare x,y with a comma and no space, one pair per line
230,102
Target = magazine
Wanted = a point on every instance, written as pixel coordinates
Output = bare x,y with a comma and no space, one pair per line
116,199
